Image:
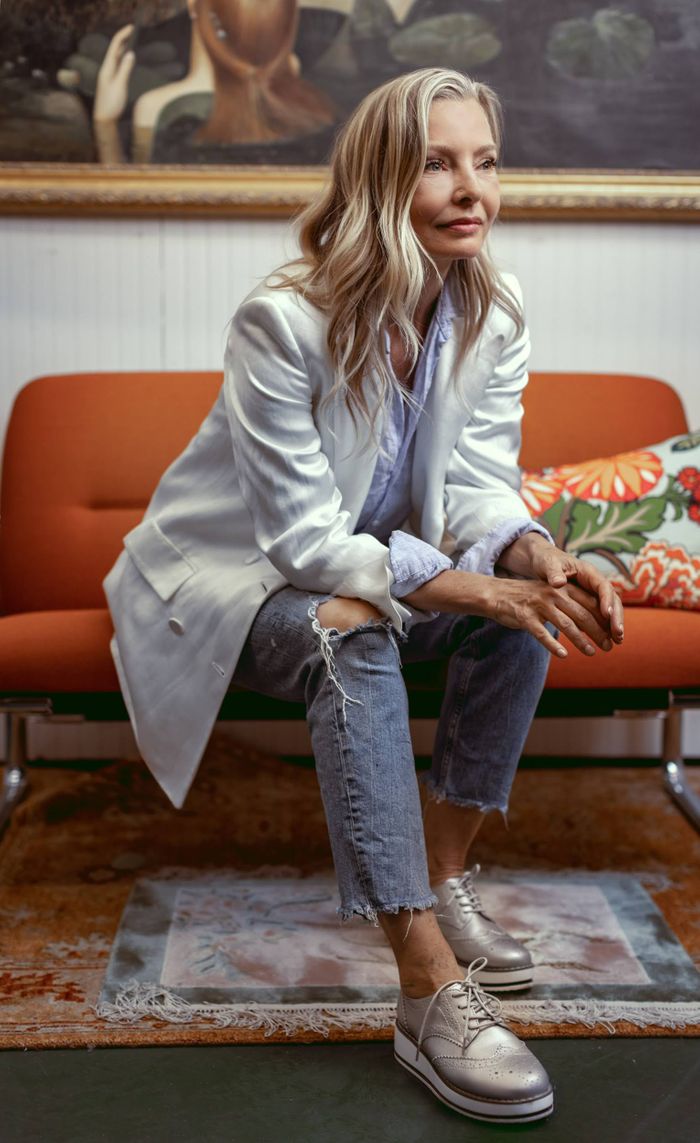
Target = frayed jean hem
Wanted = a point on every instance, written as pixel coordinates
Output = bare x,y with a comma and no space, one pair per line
371,912
437,794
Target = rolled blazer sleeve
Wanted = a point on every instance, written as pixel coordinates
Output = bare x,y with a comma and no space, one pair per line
285,478
483,478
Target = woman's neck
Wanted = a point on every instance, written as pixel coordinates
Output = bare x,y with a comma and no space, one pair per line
425,309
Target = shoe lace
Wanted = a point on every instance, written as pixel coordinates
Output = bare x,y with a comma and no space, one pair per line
481,1011
465,893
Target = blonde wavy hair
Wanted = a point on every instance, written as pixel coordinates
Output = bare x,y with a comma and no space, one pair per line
361,262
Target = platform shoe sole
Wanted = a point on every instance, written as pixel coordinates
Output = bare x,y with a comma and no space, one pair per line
476,1107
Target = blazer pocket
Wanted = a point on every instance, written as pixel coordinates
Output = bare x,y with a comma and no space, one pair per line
160,562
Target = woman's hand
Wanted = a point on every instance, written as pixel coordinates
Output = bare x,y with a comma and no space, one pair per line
112,92
533,555
530,604
525,604
558,568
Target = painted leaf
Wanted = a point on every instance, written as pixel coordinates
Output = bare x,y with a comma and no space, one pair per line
620,528
372,19
608,45
371,25
458,41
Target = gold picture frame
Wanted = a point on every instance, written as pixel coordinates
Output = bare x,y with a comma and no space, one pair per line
77,189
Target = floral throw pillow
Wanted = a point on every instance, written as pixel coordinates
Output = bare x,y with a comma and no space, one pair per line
636,516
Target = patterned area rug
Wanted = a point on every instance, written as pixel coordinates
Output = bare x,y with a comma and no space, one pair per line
268,952
89,847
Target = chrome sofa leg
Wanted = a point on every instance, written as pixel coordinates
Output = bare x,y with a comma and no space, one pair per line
14,776
675,777
13,782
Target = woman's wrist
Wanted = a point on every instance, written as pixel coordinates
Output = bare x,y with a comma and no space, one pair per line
519,556
464,593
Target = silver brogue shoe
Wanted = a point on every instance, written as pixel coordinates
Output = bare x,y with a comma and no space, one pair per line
471,933
457,1045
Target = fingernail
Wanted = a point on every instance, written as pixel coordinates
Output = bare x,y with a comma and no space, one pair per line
589,650
607,645
561,652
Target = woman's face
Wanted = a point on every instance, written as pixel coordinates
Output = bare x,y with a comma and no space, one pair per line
458,196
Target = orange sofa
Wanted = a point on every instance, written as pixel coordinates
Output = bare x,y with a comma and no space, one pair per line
82,456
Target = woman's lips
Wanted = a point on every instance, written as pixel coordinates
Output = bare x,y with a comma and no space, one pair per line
462,225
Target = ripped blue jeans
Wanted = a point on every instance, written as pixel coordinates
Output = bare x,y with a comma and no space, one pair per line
357,711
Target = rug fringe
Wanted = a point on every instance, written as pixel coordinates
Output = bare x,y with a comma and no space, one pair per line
606,1012
143,1000
138,1001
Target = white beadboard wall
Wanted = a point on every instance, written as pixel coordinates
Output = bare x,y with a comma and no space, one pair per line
156,293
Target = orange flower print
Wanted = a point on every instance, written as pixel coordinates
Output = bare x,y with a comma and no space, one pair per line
626,476
664,576
540,490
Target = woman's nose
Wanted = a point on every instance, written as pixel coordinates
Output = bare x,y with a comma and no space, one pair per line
467,185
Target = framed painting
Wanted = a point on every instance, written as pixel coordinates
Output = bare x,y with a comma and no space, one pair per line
231,106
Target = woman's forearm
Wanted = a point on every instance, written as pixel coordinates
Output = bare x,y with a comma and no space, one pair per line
465,593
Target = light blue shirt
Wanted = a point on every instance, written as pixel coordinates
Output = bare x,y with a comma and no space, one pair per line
388,502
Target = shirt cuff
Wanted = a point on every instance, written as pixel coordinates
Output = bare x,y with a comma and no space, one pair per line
413,563
483,556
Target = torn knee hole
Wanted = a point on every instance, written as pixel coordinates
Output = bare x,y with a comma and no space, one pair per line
344,615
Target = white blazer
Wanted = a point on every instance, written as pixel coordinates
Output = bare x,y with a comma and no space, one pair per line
268,493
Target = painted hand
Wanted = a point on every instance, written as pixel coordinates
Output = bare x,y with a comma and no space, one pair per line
112,92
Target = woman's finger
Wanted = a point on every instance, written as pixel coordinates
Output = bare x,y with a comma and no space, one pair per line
615,611
557,567
547,640
586,599
588,620
610,602
568,627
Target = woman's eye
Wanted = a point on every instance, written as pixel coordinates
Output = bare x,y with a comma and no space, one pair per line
490,164
433,165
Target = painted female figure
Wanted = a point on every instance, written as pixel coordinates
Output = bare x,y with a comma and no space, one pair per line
241,60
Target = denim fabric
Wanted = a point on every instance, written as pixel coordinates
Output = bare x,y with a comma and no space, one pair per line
357,711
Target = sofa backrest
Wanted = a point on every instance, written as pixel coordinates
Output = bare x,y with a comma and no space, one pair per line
580,416
84,453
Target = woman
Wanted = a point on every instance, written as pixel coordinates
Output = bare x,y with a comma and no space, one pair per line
376,381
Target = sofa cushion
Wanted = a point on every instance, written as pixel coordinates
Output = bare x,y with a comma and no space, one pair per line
57,651
660,649
635,515
68,651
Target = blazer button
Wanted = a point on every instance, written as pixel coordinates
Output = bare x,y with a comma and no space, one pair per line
176,626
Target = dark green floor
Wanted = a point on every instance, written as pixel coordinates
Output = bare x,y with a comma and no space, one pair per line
607,1091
